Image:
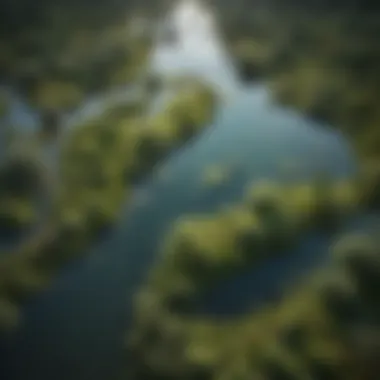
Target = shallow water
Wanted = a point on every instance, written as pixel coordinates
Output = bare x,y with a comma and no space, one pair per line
75,330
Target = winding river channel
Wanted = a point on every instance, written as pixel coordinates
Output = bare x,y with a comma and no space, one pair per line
75,330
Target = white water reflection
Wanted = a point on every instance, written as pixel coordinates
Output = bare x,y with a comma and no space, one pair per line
197,51
196,48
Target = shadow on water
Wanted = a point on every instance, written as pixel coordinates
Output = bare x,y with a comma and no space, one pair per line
9,238
75,329
262,284
267,282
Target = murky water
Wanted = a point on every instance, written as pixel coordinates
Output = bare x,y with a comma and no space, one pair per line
75,330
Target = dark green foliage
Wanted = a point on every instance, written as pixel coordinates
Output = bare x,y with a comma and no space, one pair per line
281,60
148,151
249,71
360,257
343,305
50,124
369,182
277,228
19,177
188,259
322,370
294,337
177,303
327,216
200,373
187,130
365,270
273,369
250,242
10,225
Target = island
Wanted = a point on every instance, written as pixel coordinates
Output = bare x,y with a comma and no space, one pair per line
167,340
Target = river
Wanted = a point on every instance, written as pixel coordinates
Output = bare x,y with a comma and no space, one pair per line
75,330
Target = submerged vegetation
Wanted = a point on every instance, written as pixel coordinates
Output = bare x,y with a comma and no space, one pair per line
216,175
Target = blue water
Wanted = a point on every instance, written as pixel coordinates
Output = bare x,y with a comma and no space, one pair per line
75,330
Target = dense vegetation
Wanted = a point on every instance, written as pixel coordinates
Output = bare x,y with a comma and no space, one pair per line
58,52
100,162
20,186
317,56
323,63
321,58
54,59
202,249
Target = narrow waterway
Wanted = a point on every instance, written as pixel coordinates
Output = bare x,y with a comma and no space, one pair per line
76,329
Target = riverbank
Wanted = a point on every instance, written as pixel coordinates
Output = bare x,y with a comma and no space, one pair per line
74,330
100,163
203,249
329,74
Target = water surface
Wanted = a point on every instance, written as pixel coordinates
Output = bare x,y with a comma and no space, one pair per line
75,329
